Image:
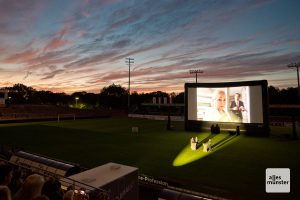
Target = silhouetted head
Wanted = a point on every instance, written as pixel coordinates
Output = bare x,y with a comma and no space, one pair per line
6,173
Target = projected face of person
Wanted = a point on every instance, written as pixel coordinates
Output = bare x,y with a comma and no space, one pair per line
220,100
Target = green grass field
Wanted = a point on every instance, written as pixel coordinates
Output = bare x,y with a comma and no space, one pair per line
234,169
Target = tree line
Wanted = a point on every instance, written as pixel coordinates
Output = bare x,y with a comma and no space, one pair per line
116,96
112,96
283,96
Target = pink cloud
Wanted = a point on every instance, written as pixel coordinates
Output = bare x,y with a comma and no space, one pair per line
65,87
82,33
52,74
48,60
231,68
21,57
55,43
58,41
141,50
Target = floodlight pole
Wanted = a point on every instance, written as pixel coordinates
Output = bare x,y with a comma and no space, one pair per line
76,99
196,71
296,65
129,61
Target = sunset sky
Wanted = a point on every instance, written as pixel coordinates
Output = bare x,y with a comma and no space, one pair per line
81,45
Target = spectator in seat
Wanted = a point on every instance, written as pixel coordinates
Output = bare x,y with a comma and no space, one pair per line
5,193
42,197
31,188
52,189
6,173
16,181
69,195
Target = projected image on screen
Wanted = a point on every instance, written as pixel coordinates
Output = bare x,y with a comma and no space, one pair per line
229,104
241,104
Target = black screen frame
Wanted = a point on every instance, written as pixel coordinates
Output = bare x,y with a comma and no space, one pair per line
251,128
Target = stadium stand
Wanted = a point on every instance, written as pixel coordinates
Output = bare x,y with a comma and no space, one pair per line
106,182
47,112
52,173
41,164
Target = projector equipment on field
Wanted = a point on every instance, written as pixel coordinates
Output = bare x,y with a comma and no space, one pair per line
207,146
194,143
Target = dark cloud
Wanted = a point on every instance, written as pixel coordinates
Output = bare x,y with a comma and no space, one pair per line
17,16
22,57
93,60
121,43
231,66
44,60
27,75
52,74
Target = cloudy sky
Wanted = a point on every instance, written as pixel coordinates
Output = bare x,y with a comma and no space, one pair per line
81,45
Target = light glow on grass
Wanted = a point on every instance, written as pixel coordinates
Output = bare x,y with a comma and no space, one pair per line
219,141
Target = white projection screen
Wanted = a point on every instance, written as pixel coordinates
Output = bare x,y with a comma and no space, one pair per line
231,104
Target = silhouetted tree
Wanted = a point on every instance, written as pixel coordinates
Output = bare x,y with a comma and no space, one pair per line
135,99
21,94
114,96
273,94
50,98
179,98
283,96
62,99
289,96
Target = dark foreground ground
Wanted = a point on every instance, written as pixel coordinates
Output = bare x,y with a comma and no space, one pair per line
235,169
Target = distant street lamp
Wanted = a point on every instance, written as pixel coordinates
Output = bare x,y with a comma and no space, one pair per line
296,65
196,71
76,99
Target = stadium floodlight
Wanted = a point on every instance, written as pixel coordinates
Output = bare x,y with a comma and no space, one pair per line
76,99
128,62
296,65
196,71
